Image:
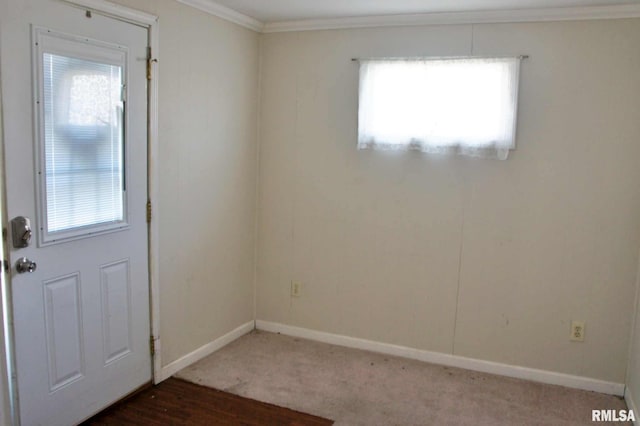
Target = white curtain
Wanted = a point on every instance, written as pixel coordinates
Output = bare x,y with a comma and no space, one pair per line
465,106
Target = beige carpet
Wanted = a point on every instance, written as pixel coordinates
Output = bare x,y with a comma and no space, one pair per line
355,387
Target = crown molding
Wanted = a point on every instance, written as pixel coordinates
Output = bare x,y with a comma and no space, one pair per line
436,18
225,13
456,18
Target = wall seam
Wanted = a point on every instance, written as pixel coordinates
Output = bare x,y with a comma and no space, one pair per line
455,315
460,253
258,136
294,272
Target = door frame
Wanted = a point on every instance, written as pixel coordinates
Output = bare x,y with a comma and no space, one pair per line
5,394
151,23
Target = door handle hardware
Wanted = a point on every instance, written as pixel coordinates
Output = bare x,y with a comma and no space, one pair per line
25,265
21,231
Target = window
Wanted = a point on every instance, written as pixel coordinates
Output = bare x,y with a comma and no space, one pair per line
460,105
81,137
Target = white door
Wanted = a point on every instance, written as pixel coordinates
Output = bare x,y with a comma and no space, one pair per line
75,117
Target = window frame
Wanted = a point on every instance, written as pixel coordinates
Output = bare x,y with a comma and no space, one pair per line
47,41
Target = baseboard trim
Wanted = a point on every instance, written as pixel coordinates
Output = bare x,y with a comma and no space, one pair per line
203,351
542,376
631,405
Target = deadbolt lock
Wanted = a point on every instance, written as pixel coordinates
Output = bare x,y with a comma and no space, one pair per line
21,231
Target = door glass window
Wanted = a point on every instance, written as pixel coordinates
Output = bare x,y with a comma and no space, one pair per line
82,146
83,117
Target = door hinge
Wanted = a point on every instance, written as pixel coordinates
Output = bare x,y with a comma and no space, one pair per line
150,61
152,345
149,211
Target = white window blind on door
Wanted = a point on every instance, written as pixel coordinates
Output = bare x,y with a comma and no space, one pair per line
83,142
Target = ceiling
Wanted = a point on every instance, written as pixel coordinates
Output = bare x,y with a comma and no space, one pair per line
268,11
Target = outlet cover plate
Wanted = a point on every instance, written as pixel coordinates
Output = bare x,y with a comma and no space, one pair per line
577,331
296,288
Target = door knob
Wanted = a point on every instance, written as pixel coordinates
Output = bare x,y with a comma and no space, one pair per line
25,265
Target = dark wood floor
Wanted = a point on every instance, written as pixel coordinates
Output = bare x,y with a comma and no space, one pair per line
177,402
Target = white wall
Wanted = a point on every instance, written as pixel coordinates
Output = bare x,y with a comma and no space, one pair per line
478,258
207,166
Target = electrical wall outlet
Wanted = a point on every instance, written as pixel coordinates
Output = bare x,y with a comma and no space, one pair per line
577,331
296,288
